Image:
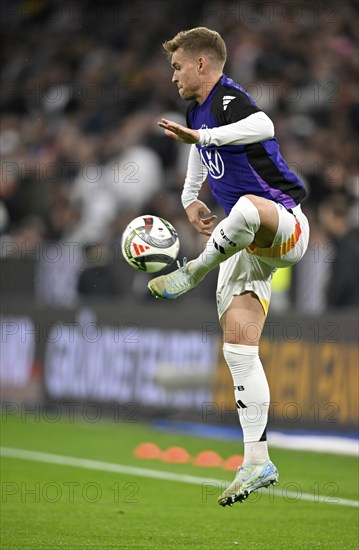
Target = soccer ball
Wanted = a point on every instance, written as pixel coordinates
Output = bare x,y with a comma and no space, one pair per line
150,243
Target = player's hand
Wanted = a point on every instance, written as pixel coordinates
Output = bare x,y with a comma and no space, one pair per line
178,132
200,217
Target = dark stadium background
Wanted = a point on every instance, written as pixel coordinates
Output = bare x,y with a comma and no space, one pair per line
83,86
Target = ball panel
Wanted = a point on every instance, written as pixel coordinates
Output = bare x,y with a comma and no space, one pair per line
154,262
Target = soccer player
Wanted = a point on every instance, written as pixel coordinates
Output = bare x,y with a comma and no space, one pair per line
234,147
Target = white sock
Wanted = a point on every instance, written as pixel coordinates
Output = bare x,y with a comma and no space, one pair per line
233,234
256,452
252,397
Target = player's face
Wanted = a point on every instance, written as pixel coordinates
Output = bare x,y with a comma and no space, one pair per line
185,75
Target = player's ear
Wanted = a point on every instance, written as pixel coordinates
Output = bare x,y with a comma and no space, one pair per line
201,62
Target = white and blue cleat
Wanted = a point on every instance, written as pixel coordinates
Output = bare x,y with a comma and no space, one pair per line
173,285
248,479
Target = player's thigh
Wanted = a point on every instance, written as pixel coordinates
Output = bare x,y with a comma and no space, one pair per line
242,323
243,296
290,242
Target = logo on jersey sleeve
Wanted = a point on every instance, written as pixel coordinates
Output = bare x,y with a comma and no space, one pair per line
226,100
213,162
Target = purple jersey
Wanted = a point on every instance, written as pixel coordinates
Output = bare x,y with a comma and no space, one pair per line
237,170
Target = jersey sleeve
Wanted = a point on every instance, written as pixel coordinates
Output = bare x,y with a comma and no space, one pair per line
252,129
241,122
196,174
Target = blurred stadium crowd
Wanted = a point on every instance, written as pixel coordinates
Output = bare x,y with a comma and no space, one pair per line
84,84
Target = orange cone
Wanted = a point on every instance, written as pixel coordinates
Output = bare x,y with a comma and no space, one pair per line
177,455
208,459
147,450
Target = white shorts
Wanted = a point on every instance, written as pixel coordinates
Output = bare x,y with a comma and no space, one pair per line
252,270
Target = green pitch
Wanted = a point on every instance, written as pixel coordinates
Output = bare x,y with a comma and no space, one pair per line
49,502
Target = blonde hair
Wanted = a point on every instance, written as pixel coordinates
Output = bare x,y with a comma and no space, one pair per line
196,41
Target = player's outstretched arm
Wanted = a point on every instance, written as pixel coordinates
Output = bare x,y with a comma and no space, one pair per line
178,132
200,217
